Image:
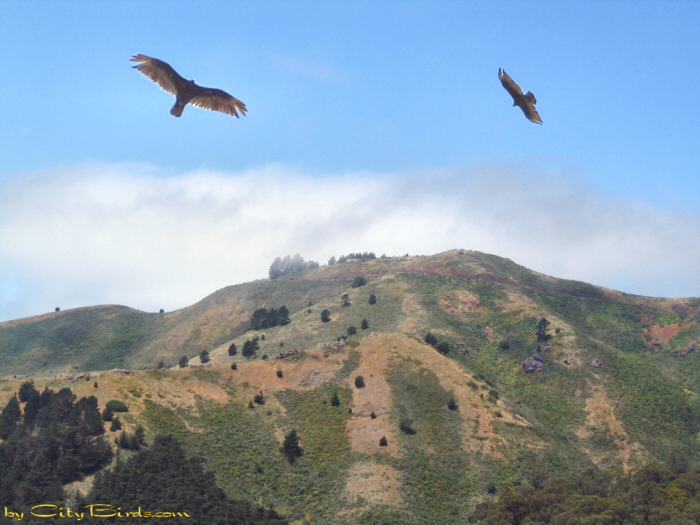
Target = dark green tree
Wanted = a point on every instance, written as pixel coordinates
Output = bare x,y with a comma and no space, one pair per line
232,350
452,404
383,442
161,365
359,382
443,348
352,330
405,426
335,400
204,357
345,300
290,446
183,361
542,329
116,425
9,418
325,316
249,348
430,339
364,325
279,373
373,415
372,299
107,414
25,389
358,281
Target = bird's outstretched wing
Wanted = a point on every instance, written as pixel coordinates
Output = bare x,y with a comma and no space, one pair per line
160,72
218,100
530,111
511,86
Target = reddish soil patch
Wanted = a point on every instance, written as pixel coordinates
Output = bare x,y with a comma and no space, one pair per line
661,334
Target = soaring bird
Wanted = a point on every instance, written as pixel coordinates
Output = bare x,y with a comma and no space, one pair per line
186,91
525,102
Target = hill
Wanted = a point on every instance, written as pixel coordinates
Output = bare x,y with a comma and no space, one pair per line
614,383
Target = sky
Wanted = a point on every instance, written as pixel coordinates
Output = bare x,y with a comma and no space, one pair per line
372,126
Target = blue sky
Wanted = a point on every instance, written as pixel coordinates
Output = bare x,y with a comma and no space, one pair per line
371,126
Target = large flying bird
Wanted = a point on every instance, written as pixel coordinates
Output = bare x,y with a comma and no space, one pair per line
525,102
186,91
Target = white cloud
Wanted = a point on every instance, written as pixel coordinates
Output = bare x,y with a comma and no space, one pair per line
127,234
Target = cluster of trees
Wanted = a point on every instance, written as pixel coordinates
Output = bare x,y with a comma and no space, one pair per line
250,346
50,439
358,255
289,264
653,495
263,318
442,347
162,478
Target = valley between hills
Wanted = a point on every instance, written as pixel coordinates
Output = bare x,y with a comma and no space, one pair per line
610,381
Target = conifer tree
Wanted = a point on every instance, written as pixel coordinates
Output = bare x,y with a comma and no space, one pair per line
9,417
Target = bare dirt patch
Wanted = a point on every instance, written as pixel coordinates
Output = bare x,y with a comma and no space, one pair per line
376,355
661,334
460,302
601,418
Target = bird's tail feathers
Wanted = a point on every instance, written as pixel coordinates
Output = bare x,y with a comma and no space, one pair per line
176,110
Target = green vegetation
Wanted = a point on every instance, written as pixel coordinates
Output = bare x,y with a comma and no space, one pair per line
163,474
358,281
654,494
116,406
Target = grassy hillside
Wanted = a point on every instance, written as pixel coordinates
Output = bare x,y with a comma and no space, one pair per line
618,385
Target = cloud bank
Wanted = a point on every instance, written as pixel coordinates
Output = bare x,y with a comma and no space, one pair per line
133,235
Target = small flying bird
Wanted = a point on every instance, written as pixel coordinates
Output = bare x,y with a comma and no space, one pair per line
525,102
186,91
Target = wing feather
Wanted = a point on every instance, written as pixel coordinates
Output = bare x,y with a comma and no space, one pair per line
160,72
218,100
511,86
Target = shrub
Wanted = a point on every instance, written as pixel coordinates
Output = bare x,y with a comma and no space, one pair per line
335,401
359,382
259,399
383,442
504,345
116,406
250,404
107,414
473,385
95,384
405,425
443,348
116,425
430,339
491,488
281,343
279,373
325,316
352,330
364,325
452,404
161,365
262,337
358,281
372,299
264,357
234,366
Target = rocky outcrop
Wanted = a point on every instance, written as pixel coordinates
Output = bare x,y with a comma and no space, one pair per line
530,366
462,348
685,351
